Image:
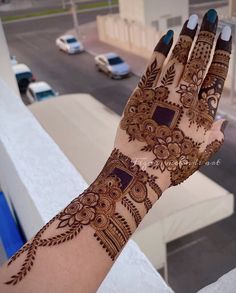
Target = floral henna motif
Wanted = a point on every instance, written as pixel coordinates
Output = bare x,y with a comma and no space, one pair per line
197,110
120,181
181,49
179,176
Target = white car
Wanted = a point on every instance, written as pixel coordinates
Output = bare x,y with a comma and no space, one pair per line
69,44
39,91
112,65
24,76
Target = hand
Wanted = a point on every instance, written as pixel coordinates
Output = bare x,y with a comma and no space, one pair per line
168,123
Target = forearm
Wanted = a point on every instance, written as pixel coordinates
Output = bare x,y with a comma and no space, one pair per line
77,248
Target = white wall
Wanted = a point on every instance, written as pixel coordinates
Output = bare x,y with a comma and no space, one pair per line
147,11
132,10
6,72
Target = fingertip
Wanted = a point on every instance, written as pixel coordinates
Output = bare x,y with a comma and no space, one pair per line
210,21
224,41
165,43
190,26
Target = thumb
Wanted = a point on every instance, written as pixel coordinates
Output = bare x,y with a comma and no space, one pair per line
217,131
215,140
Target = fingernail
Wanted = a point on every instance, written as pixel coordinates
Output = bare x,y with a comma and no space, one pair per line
211,15
192,22
226,33
168,37
209,22
224,125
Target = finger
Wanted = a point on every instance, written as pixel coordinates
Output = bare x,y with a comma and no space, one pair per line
213,84
174,68
200,56
215,140
152,74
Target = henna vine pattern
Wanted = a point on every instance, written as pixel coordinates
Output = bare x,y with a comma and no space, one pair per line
120,181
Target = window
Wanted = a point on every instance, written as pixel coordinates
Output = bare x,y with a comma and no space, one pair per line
71,40
115,60
23,75
174,21
44,95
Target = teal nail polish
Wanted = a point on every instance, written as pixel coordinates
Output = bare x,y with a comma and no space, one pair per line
168,37
211,15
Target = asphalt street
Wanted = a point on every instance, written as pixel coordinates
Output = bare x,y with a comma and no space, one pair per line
33,43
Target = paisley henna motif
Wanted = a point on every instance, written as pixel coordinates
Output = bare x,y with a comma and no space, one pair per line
121,181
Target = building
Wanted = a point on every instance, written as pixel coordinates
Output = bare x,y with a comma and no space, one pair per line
141,22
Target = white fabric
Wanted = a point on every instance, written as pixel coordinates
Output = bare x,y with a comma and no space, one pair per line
225,284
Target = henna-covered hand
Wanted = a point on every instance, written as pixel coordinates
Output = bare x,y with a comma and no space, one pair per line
168,123
165,134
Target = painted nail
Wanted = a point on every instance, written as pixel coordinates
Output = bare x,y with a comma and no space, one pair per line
211,15
168,37
192,22
224,125
209,22
226,33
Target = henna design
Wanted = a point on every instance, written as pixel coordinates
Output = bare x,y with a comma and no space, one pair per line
169,76
157,127
181,49
96,207
201,108
150,76
178,176
147,204
127,203
197,110
115,236
214,82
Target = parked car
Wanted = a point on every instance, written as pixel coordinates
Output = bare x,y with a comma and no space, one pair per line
69,44
13,60
112,65
24,76
39,91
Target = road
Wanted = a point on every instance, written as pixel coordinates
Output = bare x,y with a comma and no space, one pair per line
33,42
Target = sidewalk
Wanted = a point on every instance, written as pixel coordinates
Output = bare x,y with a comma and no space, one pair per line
89,36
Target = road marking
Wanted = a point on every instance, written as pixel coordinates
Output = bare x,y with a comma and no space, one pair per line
186,246
58,14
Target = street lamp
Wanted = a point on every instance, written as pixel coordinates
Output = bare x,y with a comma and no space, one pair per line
75,18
